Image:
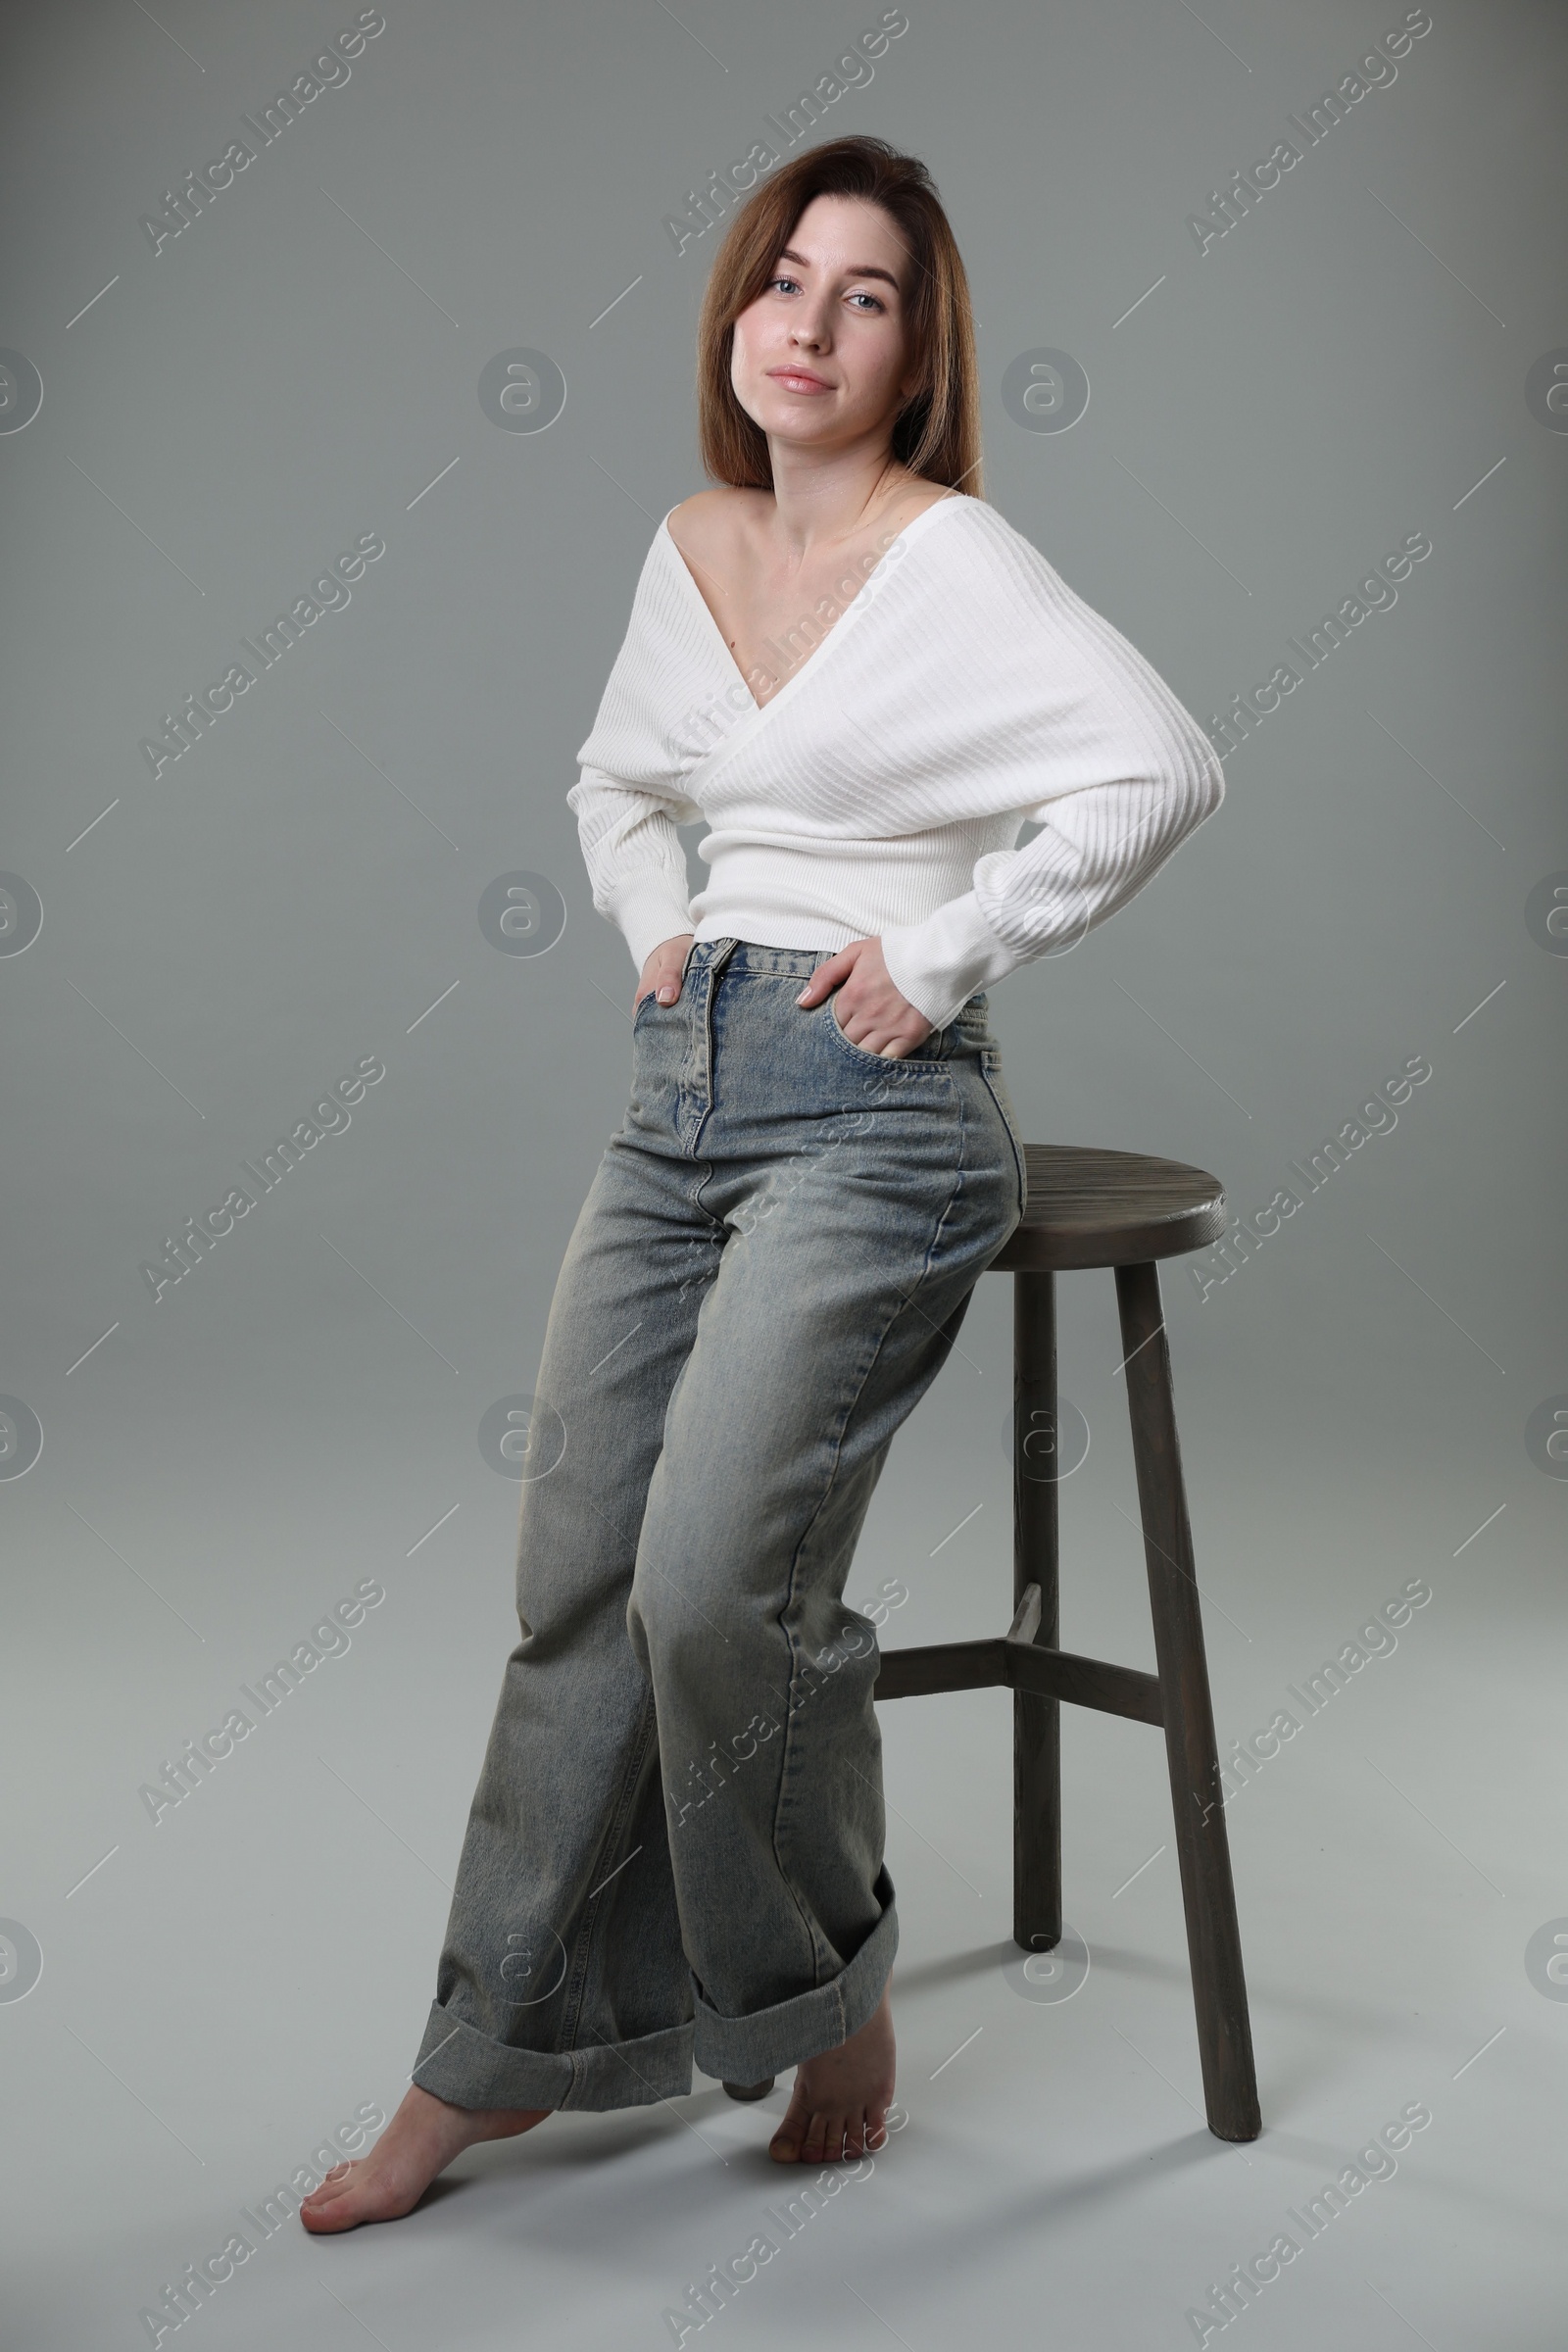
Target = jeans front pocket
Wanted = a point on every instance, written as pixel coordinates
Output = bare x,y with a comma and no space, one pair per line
651,999
917,1060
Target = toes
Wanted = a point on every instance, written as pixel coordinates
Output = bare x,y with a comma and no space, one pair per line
345,2198
812,2135
335,2183
334,2220
326,2214
787,2145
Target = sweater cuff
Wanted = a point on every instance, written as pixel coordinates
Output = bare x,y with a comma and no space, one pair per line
940,964
648,909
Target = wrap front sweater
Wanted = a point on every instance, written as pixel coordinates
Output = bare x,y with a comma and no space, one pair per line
961,689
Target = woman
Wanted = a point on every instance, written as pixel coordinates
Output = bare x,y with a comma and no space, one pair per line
864,679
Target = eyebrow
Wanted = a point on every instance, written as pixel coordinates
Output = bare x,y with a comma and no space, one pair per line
862,269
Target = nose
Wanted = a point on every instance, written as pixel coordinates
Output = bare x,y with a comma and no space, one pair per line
810,328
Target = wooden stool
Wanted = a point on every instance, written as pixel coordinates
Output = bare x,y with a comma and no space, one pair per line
1121,1209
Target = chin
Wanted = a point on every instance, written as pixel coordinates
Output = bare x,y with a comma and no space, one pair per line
793,419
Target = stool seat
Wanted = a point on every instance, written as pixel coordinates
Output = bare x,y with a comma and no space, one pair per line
1109,1209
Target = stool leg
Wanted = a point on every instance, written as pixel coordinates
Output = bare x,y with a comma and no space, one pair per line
1036,1721
1209,1895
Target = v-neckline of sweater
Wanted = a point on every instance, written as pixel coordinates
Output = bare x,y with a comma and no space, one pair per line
755,711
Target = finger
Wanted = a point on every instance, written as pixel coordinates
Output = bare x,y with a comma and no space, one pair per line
826,977
872,1038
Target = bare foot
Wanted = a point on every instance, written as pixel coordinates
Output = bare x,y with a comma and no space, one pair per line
839,2105
420,2141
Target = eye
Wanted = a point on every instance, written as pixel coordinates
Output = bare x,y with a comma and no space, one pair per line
781,281
862,296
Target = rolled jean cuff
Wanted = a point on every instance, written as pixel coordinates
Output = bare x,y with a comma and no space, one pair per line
466,2068
745,2049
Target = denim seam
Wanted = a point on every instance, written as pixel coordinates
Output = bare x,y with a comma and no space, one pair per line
952,1200
725,971
822,1501
714,977
1013,1139
572,2008
716,1225
815,1942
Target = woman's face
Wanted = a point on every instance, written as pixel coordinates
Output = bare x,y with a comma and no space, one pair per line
820,359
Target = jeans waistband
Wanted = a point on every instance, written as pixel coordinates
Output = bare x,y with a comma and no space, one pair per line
746,955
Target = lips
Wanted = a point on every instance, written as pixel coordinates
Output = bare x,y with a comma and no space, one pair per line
799,379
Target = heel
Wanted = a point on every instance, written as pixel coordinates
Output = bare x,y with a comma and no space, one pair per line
750,2090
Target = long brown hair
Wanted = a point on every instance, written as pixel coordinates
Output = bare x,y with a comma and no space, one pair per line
937,432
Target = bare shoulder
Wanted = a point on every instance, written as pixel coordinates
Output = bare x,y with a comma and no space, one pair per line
705,524
918,495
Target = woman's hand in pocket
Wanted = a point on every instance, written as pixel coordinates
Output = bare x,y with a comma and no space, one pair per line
662,973
872,1014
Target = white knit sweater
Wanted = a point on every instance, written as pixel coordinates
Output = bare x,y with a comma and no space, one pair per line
881,791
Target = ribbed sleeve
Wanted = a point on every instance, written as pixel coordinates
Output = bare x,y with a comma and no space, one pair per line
636,865
881,788
1101,707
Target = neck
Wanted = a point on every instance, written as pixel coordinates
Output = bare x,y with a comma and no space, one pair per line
822,497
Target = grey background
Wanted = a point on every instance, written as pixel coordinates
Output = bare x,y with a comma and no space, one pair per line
295,370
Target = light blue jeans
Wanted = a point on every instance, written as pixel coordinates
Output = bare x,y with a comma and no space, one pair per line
676,1845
